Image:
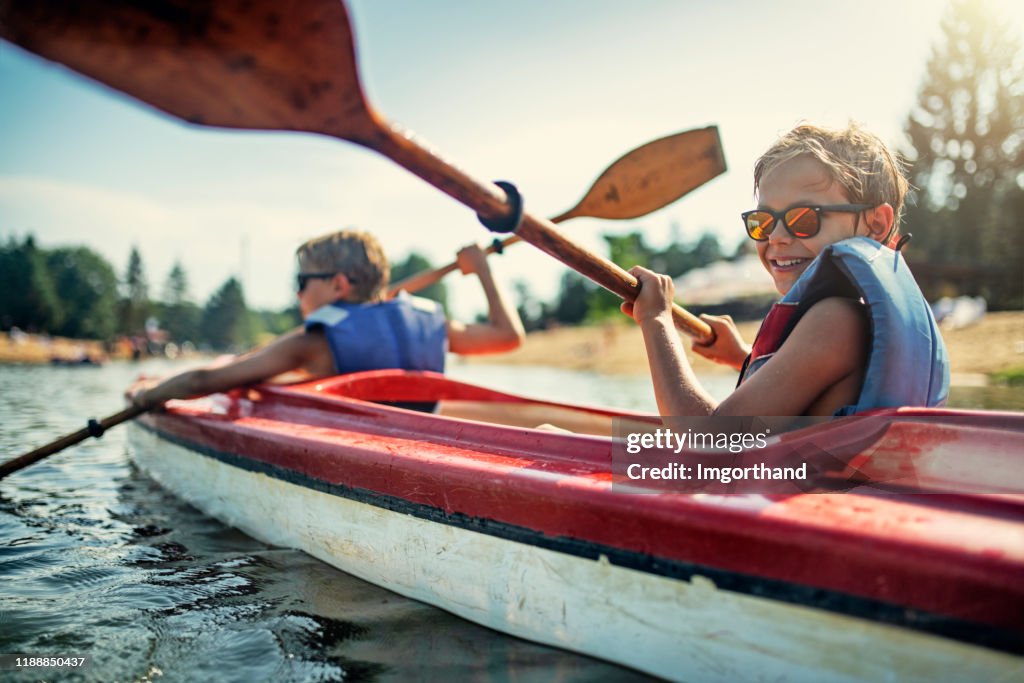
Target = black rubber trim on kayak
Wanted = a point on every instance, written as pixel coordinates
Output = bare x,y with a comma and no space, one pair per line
991,637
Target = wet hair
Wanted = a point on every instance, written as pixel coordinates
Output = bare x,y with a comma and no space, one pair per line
356,254
856,159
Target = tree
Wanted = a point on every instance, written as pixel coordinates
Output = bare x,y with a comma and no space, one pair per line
179,316
416,263
176,286
86,285
276,323
967,153
225,322
707,250
624,250
532,312
678,258
29,296
135,306
572,303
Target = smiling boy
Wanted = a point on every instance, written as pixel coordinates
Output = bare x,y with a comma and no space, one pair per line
852,331
349,326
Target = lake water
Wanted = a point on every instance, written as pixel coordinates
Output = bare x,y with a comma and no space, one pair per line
97,560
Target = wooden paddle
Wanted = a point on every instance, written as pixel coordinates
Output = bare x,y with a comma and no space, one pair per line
270,65
641,181
93,428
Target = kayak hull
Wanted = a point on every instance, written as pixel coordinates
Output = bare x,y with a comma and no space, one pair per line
375,495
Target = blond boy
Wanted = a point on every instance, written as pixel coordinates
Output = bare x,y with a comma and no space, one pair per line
852,331
350,326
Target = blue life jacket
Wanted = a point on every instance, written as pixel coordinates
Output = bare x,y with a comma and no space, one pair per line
907,362
406,332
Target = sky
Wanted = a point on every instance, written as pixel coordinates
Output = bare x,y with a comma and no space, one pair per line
544,93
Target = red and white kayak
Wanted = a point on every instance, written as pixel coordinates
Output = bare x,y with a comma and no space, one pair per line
474,510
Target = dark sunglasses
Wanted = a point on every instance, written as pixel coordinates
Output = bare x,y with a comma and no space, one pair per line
304,278
800,221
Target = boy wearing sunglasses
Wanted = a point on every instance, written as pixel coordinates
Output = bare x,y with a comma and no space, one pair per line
349,326
852,331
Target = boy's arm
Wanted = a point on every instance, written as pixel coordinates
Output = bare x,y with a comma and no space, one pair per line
676,388
504,329
817,371
294,350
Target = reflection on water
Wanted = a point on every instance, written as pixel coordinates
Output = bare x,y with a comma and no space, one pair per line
989,398
632,392
96,559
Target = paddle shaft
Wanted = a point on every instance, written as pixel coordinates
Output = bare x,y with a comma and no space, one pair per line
244,64
415,283
60,444
643,180
489,201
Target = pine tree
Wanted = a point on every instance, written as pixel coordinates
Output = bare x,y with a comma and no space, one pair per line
176,286
225,322
179,316
135,306
29,297
87,288
967,155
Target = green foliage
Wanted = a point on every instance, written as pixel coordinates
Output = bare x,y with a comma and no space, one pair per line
177,314
416,263
573,299
30,299
277,323
533,312
679,258
73,292
627,251
579,300
967,152
86,286
176,286
225,323
134,307
181,321
1013,377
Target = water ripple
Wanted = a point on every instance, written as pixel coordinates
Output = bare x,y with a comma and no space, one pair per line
97,559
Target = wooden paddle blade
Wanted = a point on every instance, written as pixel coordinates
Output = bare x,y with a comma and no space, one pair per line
255,64
229,63
653,176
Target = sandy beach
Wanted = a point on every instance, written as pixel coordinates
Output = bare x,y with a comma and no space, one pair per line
994,344
33,348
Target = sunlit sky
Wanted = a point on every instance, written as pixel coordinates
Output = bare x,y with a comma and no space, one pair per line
543,93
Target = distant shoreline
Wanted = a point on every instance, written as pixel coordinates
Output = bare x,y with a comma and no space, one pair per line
38,349
994,344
